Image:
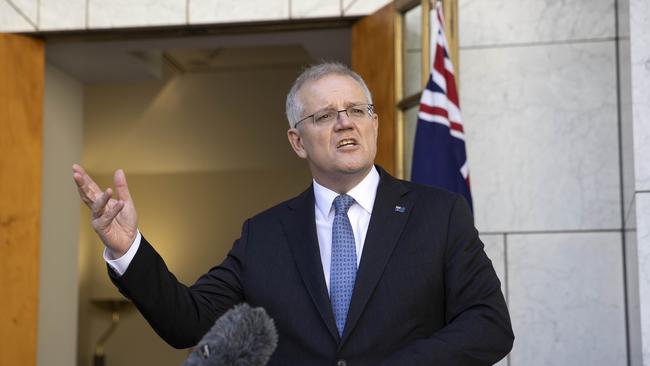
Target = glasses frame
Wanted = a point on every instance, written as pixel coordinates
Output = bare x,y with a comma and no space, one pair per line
369,106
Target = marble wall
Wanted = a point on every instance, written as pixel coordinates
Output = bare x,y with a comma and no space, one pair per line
643,265
639,113
538,83
566,298
640,73
542,136
54,15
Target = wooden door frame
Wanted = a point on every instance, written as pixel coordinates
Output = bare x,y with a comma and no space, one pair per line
22,63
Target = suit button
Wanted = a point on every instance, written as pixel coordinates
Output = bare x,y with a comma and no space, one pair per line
341,363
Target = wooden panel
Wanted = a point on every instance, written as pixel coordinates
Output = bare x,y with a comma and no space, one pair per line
425,31
450,14
373,57
21,105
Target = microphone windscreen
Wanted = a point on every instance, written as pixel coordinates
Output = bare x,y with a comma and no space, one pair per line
243,336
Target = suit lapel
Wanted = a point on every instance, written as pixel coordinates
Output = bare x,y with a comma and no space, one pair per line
300,229
389,215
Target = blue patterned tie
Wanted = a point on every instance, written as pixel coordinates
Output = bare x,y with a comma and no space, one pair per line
343,269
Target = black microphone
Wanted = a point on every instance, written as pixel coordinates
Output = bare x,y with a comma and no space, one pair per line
243,336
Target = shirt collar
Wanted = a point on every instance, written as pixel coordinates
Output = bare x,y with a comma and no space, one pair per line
363,193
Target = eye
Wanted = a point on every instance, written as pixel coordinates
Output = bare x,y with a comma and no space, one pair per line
323,116
356,112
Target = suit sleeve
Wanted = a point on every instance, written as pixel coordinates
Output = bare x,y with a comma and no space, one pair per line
181,315
478,329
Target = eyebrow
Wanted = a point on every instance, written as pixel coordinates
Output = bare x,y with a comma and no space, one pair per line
346,105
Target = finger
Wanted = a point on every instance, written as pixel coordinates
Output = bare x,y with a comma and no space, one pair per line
84,181
82,192
99,205
110,213
88,189
88,195
121,187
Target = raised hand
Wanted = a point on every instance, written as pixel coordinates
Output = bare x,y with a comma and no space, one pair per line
114,219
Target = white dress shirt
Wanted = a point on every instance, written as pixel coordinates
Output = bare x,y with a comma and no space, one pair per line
120,264
359,214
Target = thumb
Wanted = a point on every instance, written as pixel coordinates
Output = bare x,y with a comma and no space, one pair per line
121,187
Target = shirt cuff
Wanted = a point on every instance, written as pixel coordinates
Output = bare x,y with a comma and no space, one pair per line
121,264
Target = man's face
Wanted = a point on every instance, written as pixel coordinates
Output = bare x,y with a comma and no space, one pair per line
343,147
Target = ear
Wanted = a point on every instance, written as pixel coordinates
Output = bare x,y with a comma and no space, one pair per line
295,140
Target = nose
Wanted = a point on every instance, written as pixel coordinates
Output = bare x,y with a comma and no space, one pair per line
343,121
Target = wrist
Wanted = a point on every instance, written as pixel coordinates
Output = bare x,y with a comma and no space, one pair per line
118,251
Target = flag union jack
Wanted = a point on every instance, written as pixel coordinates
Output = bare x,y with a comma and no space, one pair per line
439,156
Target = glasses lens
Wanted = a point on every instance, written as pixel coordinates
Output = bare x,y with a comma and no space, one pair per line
324,116
357,111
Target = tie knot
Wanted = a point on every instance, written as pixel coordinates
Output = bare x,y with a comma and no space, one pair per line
342,204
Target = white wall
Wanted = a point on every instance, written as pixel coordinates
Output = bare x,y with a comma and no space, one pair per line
53,15
538,83
59,278
194,122
639,113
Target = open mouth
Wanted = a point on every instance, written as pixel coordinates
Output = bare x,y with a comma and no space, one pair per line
346,142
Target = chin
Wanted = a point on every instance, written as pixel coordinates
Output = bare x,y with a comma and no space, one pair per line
354,168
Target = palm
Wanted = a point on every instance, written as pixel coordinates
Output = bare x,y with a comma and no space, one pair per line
114,219
122,229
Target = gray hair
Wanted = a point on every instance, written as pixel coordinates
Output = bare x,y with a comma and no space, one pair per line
294,108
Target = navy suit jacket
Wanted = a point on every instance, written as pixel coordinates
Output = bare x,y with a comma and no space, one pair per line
425,292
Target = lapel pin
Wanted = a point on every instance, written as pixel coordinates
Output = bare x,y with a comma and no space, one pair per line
400,209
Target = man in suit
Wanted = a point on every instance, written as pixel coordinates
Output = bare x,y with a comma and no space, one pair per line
359,269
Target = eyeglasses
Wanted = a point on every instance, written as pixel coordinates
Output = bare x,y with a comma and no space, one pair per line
326,116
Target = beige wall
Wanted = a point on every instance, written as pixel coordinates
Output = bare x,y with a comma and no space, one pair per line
62,131
202,153
190,123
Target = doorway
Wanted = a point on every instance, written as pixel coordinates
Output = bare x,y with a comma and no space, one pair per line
197,123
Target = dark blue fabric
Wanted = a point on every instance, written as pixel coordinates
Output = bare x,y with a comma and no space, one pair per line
437,158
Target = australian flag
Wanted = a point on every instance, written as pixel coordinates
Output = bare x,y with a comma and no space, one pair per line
439,157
